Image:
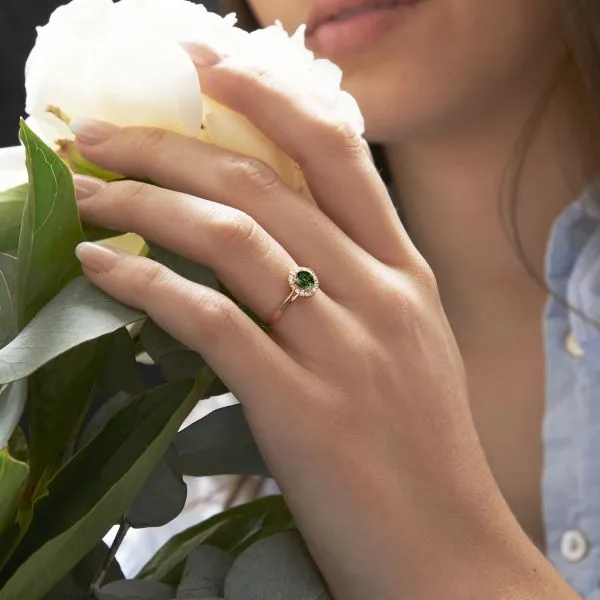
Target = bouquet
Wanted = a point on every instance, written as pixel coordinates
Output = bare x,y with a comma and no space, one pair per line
85,444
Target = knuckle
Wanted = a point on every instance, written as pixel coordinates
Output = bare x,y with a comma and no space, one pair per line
152,277
151,138
218,316
247,172
343,139
131,196
235,229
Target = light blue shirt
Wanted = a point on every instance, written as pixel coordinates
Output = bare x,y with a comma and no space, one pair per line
571,432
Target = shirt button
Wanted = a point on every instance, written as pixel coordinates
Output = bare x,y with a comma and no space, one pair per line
572,346
574,546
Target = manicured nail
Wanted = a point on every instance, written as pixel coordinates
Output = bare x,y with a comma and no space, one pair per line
95,257
86,187
90,131
203,56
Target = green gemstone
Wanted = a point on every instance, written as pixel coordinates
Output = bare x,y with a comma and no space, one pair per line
305,280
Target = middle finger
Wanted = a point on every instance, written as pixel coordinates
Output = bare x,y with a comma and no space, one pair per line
252,265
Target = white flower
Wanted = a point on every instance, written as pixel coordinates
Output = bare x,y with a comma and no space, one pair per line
123,63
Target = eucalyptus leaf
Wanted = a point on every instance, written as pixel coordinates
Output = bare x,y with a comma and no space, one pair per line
102,416
135,589
12,477
230,531
220,444
175,360
163,496
204,574
276,568
121,372
50,229
78,313
12,202
94,488
12,403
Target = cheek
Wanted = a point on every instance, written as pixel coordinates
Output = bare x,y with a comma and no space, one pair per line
290,12
456,59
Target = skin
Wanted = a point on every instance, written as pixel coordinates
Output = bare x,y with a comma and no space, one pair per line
401,388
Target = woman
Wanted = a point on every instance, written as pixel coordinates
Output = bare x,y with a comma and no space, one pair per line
431,412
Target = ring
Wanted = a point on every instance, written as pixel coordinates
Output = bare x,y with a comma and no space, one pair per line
303,283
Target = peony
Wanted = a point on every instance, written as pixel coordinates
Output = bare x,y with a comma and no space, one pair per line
123,63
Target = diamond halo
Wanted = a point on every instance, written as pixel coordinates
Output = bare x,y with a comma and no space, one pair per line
303,281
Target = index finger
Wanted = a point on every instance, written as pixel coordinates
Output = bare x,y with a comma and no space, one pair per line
332,155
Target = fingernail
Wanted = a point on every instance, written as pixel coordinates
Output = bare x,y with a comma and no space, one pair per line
95,257
203,56
90,131
86,187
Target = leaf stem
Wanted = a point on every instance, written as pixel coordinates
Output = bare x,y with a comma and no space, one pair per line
99,578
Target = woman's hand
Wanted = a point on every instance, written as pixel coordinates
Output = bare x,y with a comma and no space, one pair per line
358,398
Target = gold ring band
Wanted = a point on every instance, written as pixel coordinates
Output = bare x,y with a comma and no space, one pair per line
304,283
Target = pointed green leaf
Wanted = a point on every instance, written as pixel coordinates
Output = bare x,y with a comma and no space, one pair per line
276,568
87,496
12,403
102,416
220,444
58,398
12,202
80,312
12,476
8,280
50,229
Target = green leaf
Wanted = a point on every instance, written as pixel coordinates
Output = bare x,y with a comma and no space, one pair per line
230,531
50,229
276,568
220,444
80,312
8,316
121,372
175,360
59,395
163,496
12,476
135,589
204,574
12,202
12,402
66,589
17,445
102,416
91,491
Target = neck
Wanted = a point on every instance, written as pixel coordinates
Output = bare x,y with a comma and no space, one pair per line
451,194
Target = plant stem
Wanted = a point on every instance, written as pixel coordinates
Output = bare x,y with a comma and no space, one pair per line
99,578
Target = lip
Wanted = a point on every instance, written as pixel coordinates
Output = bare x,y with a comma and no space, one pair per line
328,35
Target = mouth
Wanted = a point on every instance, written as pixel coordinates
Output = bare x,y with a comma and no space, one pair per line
344,10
